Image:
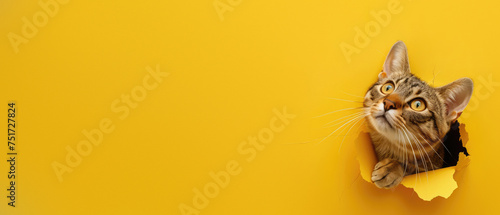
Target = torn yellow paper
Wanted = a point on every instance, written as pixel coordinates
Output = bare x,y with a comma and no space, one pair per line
427,185
366,156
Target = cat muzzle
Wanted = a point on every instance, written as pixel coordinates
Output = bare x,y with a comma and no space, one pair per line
392,102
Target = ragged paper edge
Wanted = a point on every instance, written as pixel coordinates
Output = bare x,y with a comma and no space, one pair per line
428,185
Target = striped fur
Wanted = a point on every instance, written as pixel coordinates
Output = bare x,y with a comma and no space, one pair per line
406,140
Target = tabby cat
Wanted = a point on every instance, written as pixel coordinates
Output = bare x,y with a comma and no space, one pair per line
408,119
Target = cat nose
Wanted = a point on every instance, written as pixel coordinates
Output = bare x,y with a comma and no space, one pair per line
388,104
392,102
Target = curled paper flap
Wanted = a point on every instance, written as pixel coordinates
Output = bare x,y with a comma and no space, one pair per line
427,185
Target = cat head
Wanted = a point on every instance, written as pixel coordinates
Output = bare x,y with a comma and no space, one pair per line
400,102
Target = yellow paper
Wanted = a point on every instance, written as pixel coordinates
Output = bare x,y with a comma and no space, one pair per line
213,105
428,185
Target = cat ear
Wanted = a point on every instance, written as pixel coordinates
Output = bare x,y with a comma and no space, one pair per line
397,60
456,96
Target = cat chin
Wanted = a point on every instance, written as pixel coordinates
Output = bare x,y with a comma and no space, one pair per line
384,127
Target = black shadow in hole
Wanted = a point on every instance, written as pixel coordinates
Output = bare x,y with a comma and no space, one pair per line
454,144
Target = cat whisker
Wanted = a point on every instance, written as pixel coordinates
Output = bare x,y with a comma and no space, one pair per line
345,100
347,121
354,118
423,148
418,147
432,147
357,117
444,146
401,152
424,161
335,111
363,118
350,115
414,156
405,157
401,120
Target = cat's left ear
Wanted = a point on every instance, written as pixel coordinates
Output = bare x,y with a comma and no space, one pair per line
456,96
396,60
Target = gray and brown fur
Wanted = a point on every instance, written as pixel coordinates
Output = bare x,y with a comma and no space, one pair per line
407,141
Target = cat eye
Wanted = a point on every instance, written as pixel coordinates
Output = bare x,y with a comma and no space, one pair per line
387,88
417,104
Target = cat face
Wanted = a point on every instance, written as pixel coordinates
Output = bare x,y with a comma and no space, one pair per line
403,107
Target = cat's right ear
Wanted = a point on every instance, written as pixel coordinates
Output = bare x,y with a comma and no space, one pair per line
396,61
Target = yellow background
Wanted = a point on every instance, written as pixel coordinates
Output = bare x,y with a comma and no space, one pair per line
226,77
